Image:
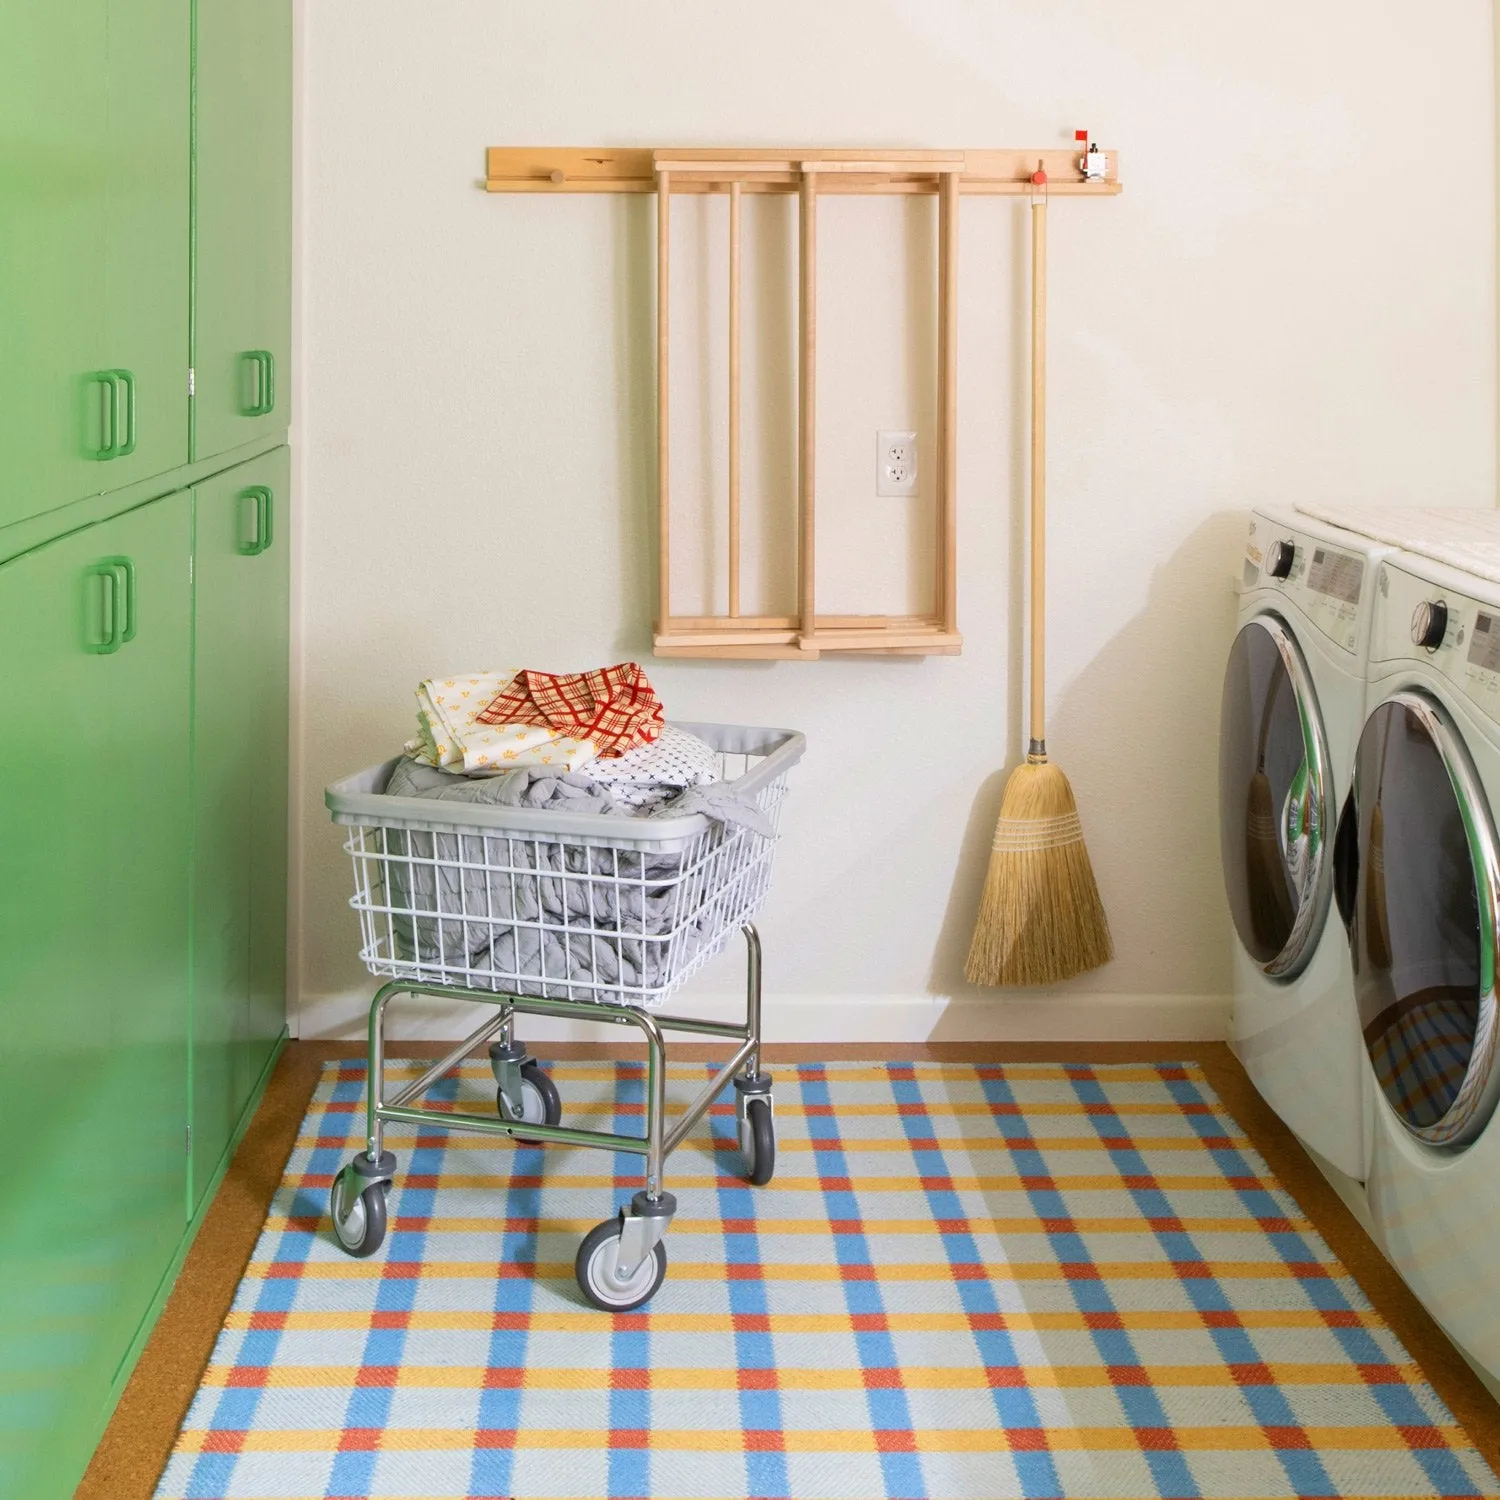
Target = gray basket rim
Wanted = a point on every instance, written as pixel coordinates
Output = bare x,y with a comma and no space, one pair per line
360,801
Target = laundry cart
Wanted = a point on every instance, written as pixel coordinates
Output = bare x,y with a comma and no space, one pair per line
596,917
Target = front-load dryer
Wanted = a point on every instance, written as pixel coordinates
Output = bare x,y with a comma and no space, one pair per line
1418,886
1293,703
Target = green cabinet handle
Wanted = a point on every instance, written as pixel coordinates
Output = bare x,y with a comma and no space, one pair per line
125,568
117,576
264,511
127,379
113,422
265,383
108,619
109,415
246,546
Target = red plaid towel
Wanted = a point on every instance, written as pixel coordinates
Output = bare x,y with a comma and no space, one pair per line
615,707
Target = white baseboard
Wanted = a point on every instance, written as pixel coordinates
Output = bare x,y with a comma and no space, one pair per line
833,1018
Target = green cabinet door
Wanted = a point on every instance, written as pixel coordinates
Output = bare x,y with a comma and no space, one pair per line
147,148
53,180
94,839
242,208
239,794
95,138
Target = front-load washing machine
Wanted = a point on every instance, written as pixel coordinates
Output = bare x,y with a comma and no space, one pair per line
1293,703
1418,886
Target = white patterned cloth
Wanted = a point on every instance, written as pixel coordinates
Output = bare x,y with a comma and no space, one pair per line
450,736
653,774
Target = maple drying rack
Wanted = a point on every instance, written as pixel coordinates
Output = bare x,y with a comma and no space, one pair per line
809,174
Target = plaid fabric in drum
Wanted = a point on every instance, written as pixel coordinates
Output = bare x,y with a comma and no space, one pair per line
965,1282
1421,1049
615,707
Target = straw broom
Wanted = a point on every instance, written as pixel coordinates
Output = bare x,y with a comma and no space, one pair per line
1041,920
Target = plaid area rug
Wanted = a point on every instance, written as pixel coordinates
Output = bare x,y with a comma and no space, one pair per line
965,1282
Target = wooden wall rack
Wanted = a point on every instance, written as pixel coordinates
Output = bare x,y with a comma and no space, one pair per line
809,174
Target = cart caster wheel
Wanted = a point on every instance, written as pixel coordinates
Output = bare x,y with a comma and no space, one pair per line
760,1158
598,1272
358,1212
541,1104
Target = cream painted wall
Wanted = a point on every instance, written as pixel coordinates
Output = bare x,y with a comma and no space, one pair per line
1295,295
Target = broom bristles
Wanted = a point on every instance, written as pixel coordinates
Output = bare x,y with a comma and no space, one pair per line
1041,920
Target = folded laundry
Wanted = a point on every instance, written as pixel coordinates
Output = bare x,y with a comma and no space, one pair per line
578,791
615,708
452,738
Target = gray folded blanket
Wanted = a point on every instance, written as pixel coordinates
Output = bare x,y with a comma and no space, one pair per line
553,915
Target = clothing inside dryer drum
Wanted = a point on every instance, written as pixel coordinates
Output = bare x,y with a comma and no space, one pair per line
1415,925
1270,822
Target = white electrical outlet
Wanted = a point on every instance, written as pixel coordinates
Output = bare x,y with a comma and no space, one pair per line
895,463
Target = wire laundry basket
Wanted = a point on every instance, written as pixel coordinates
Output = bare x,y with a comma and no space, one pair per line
562,914
562,905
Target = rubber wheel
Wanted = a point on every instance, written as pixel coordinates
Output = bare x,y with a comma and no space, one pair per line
596,1270
358,1215
761,1164
541,1104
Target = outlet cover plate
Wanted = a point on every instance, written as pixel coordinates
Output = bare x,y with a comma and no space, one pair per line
896,463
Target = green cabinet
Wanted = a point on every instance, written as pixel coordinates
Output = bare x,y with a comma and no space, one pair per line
148,166
145,206
242,214
95,640
94,180
239,795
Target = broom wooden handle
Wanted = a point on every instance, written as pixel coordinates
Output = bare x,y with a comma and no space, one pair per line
1038,747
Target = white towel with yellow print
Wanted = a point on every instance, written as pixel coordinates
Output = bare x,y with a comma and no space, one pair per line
451,737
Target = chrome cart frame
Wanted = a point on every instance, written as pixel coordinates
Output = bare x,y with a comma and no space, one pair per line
656,1145
622,1261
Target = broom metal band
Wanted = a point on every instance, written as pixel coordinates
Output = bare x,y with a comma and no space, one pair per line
1026,835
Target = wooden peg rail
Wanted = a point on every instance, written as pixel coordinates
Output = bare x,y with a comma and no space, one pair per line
607,169
809,174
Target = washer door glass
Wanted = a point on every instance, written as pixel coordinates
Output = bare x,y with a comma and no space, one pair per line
1275,788
1422,923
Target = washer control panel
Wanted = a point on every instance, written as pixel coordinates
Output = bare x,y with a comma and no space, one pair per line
1327,582
1446,630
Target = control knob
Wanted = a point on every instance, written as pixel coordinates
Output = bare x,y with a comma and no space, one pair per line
1429,624
1279,559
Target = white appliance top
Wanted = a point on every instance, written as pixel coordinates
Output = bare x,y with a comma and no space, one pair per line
1464,539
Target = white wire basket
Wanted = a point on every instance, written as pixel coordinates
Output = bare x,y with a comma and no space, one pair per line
561,905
